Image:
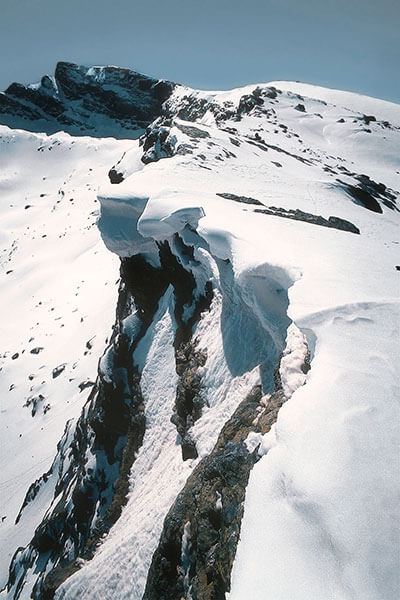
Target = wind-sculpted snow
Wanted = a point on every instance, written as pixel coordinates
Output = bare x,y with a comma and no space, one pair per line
324,487
250,344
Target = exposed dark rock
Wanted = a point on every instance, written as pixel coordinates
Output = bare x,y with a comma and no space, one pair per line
184,284
36,350
158,142
34,402
368,192
242,199
368,119
191,108
378,190
249,101
272,93
189,398
90,494
85,384
115,177
263,145
57,371
89,499
299,215
33,491
300,108
114,174
193,132
185,149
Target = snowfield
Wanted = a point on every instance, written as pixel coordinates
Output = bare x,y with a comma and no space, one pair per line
57,297
301,250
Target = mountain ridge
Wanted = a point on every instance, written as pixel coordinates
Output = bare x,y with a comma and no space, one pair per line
41,109
251,354
82,100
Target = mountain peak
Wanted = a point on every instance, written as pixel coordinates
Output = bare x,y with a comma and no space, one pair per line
100,101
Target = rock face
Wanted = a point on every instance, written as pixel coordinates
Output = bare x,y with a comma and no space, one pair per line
97,101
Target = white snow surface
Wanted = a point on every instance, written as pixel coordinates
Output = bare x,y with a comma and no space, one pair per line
57,295
322,506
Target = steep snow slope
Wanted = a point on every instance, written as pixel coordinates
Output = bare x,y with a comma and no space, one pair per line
57,294
263,228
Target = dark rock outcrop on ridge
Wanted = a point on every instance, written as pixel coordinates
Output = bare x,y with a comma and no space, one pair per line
96,101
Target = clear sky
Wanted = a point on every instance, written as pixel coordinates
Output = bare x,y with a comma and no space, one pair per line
210,44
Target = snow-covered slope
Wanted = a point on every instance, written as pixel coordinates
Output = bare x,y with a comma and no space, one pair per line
241,437
57,293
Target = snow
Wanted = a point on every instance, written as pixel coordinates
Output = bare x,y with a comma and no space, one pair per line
321,505
327,482
349,100
57,266
158,474
292,361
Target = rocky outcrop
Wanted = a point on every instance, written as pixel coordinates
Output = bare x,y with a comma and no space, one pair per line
296,214
368,193
300,215
190,302
158,142
189,397
241,199
97,101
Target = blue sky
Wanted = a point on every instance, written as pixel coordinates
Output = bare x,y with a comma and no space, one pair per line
219,44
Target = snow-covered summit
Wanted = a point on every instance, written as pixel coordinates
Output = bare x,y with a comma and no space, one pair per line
240,439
